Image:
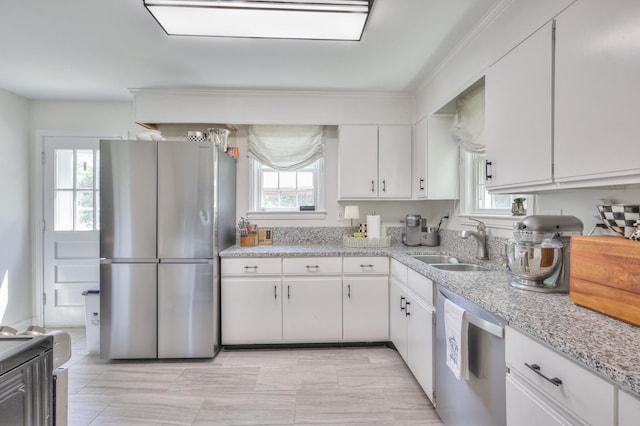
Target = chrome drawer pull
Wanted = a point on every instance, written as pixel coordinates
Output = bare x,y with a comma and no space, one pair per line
316,267
246,268
366,266
536,369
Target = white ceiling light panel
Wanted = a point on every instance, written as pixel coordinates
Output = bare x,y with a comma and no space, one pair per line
291,19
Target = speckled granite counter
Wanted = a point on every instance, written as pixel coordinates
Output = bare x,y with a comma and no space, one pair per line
602,344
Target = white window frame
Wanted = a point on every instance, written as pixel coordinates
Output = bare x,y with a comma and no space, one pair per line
469,199
255,192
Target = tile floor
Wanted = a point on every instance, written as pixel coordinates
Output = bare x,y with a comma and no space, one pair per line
336,386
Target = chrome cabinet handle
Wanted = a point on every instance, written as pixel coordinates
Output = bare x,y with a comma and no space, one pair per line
366,266
384,185
536,369
349,291
407,313
373,188
246,268
487,163
421,184
316,267
402,307
288,292
275,292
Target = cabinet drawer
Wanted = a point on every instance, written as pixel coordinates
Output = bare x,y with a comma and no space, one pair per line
582,392
366,265
421,286
312,266
399,271
251,266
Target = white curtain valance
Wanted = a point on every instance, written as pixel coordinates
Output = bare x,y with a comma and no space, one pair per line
285,147
468,126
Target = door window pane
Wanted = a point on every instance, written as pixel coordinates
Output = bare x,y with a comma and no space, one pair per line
84,169
76,208
63,214
64,168
84,211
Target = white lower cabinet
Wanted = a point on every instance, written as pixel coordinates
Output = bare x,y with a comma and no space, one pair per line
365,308
628,409
251,310
544,385
411,323
312,309
526,408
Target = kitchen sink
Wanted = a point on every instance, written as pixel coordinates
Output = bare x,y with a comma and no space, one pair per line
431,259
460,267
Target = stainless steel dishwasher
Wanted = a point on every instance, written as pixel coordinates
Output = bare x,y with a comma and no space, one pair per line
479,400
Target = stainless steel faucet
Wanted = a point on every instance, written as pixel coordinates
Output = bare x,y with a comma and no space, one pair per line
481,238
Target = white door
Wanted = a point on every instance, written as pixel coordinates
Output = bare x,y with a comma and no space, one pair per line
398,318
365,308
312,309
71,227
394,162
420,344
251,310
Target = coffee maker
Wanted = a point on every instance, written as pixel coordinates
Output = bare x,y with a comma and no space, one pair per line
412,233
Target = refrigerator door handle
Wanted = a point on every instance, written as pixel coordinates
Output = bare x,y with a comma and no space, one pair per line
190,261
115,261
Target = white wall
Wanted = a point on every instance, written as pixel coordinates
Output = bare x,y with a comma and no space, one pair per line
15,266
79,116
391,211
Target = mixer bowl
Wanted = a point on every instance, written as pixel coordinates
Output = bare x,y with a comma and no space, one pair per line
533,262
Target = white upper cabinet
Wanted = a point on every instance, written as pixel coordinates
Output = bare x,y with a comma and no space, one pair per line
375,162
518,114
597,88
443,157
358,158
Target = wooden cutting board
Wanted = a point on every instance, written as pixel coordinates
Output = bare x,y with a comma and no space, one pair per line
605,276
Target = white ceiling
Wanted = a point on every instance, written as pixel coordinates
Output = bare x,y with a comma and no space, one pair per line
98,49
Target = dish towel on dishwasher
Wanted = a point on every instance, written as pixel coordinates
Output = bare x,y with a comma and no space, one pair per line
455,331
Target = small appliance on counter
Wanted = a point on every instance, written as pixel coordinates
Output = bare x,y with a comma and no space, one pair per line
412,233
538,255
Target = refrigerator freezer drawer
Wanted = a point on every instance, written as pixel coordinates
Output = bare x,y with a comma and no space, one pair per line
128,310
186,310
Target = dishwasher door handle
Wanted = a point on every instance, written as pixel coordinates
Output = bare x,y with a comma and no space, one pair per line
488,326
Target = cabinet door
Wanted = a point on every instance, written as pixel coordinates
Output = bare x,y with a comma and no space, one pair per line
442,159
365,308
628,409
419,184
358,161
525,408
394,162
251,310
420,344
518,108
312,309
397,317
596,91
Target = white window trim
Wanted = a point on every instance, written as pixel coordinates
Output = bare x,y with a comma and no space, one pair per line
500,218
318,214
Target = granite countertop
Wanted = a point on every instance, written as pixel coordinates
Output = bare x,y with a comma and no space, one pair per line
598,342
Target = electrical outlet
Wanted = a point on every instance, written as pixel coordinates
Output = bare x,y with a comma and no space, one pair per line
341,214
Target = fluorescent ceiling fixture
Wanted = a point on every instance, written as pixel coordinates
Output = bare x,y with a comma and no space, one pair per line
297,19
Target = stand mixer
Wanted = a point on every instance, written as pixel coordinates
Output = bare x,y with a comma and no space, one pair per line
538,255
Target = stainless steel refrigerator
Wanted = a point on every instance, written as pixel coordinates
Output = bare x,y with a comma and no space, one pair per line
166,209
